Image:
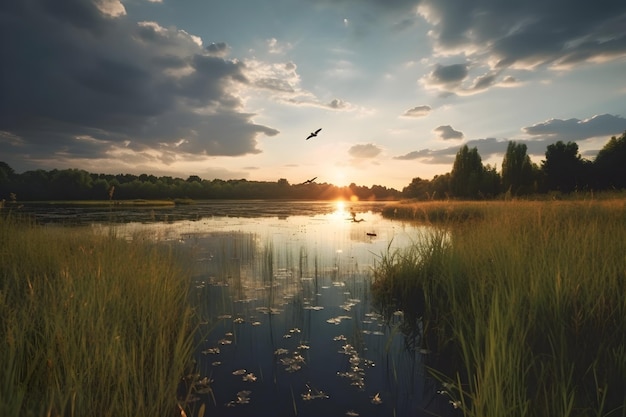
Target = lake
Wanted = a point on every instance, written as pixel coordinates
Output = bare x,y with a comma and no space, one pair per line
289,326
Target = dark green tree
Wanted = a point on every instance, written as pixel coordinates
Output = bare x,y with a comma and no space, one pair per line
609,165
517,170
6,172
490,182
467,173
563,168
71,184
418,188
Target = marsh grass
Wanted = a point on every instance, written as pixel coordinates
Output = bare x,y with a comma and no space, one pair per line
522,304
90,324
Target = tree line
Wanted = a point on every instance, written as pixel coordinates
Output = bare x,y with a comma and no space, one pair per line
77,184
562,170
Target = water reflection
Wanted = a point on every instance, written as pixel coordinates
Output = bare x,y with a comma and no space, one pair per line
289,328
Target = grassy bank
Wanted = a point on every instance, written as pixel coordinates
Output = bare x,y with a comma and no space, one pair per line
522,302
90,324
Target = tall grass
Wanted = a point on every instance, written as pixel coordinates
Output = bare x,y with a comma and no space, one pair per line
90,324
526,302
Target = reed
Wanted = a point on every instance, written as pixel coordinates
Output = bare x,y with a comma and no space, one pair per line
90,324
524,300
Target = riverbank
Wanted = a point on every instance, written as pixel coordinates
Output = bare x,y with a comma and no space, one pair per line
90,323
521,303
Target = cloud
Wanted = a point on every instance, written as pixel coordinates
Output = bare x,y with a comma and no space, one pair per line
576,129
447,77
487,148
218,48
418,111
367,151
283,82
428,156
276,47
499,35
540,136
457,79
527,34
78,71
446,132
338,104
112,8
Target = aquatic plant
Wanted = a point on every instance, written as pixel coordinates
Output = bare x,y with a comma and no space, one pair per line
526,304
90,323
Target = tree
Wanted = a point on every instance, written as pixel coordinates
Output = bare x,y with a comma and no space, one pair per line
610,164
467,173
563,167
517,170
6,172
490,182
418,188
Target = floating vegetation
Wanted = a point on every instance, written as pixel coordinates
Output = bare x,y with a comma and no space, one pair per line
293,363
313,393
243,397
376,399
337,320
203,386
285,292
314,308
357,365
249,377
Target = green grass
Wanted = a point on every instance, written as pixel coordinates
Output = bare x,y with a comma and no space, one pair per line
522,302
90,324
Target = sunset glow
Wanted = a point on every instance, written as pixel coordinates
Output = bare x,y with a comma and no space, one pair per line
221,91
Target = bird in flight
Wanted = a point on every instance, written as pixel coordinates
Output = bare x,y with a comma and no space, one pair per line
313,134
309,181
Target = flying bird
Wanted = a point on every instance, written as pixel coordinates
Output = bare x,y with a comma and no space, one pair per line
309,181
313,134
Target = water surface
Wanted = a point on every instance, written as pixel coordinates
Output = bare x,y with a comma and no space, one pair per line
283,290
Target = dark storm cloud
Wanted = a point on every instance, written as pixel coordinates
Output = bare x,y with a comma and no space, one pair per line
531,32
81,82
497,35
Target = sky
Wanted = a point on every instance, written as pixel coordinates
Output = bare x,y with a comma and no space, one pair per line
231,89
